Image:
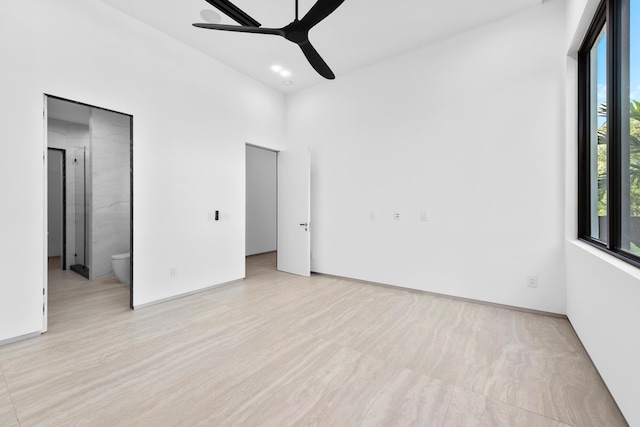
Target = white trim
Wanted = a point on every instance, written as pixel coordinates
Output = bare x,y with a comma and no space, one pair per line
262,147
19,338
436,294
186,294
45,278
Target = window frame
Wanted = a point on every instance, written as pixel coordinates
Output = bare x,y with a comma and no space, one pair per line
608,16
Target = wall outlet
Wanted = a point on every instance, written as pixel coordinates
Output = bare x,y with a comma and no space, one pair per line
173,272
396,216
210,216
372,216
424,216
532,281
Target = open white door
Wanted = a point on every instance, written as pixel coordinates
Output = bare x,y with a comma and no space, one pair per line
294,211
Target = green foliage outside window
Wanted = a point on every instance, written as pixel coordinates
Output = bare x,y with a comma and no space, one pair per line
634,160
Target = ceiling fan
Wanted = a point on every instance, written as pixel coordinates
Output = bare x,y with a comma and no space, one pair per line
297,31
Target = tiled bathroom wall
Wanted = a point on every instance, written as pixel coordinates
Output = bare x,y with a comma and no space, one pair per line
110,190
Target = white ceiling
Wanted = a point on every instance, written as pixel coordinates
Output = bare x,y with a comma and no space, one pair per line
357,34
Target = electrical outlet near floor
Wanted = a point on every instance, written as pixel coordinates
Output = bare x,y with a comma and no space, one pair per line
532,281
173,272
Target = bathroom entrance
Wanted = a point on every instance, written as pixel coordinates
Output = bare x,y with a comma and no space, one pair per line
95,146
261,201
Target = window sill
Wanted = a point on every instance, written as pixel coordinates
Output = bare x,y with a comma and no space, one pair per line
611,258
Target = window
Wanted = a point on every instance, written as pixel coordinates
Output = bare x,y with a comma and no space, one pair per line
609,131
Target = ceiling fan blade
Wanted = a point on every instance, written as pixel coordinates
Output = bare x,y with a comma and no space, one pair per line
316,60
234,12
241,29
319,11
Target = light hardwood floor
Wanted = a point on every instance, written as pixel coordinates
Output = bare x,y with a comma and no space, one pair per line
278,349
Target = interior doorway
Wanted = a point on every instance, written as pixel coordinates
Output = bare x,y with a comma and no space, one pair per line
93,148
278,207
261,201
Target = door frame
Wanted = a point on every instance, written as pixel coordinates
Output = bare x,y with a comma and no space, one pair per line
45,289
277,152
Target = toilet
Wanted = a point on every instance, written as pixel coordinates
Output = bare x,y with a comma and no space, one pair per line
122,267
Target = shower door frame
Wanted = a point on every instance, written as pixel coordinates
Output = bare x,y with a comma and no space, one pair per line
64,203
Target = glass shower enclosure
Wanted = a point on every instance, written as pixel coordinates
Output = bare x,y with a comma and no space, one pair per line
80,173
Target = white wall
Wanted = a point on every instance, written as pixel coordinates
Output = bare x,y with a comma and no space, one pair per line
261,200
602,292
602,305
192,118
469,130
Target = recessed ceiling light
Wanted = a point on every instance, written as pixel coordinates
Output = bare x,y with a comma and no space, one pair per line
210,16
282,71
288,82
